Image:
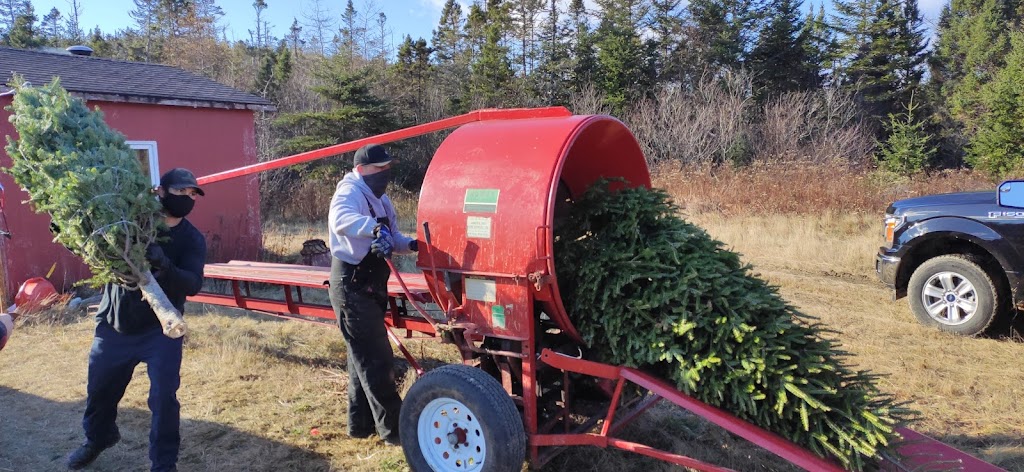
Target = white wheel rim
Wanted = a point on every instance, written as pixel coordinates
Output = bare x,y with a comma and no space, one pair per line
450,436
950,298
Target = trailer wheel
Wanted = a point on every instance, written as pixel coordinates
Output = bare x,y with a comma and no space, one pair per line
460,418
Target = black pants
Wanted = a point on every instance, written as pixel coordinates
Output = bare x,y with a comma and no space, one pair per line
359,297
112,361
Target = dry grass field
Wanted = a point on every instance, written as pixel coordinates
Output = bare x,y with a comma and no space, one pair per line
262,394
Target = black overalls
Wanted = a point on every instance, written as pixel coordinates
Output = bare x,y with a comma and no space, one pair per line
359,295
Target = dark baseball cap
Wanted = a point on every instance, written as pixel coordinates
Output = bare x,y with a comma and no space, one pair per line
372,155
180,178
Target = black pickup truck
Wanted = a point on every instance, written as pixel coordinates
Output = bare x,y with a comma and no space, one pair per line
958,257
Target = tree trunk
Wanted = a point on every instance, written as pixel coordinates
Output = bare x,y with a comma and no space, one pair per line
170,318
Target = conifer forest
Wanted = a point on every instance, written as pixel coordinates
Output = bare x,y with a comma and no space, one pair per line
700,83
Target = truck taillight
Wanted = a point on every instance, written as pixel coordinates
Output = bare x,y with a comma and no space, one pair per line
891,223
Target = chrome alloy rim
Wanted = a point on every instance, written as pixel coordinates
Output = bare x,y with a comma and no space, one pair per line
450,436
950,298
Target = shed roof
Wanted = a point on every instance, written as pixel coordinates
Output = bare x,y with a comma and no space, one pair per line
123,81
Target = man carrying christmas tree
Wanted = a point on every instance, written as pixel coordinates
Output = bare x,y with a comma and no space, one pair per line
364,231
128,332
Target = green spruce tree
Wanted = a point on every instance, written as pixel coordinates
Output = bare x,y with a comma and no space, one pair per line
625,73
583,54
550,82
722,32
780,61
908,149
451,56
996,148
491,71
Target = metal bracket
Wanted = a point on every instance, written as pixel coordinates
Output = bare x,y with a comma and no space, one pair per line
539,279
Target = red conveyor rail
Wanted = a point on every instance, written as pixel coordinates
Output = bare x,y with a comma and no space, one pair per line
397,135
917,452
291,276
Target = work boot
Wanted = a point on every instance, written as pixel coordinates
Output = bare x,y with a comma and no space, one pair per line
88,452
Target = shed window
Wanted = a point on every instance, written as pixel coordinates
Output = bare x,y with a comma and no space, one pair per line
145,152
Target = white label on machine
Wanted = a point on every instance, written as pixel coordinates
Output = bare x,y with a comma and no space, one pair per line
478,227
483,290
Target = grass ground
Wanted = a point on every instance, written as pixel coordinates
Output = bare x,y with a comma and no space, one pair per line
264,394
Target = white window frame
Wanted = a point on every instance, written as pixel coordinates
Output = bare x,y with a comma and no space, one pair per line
154,160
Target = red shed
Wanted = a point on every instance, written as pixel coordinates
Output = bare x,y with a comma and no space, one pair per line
173,118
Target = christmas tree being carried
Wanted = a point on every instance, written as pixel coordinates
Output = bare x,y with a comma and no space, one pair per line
84,175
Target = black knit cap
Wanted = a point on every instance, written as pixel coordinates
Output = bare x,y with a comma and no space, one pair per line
371,154
179,178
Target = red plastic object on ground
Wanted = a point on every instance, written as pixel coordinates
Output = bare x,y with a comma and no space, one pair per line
34,293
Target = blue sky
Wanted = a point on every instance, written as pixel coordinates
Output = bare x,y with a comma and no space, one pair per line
413,17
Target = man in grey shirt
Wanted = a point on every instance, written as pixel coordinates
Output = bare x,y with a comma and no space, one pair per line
363,232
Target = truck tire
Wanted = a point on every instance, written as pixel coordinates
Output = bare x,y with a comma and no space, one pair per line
460,418
955,294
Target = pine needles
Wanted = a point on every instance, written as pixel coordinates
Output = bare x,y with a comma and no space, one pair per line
647,289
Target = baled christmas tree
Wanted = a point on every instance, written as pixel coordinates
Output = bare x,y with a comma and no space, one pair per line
84,175
647,289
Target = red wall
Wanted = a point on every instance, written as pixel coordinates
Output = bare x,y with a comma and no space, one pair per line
204,140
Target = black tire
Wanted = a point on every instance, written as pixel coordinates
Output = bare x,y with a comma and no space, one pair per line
955,294
491,432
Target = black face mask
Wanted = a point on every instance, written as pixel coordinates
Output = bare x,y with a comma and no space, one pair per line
378,182
178,206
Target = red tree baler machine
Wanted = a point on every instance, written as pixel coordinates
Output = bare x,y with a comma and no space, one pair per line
491,197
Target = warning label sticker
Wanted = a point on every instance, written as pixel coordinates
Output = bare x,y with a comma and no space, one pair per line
483,290
480,200
478,227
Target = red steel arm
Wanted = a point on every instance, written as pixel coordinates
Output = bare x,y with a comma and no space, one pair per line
397,135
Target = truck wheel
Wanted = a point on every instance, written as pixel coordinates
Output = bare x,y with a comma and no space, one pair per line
460,418
955,294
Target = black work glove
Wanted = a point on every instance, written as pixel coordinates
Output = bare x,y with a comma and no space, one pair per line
414,246
156,257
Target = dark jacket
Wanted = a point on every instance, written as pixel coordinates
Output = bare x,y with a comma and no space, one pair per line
125,310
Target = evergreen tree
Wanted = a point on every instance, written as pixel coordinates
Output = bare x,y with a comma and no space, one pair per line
524,15
908,149
260,37
100,43
24,34
475,32
275,70
450,55
583,52
9,12
667,31
624,68
145,15
973,41
492,72
996,148
350,33
722,32
780,61
354,112
295,36
551,80
73,29
51,28
412,72
882,53
822,46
